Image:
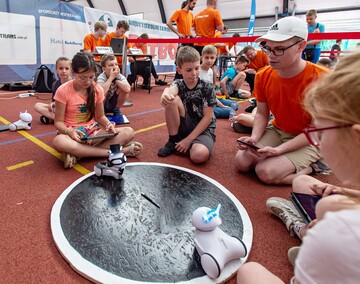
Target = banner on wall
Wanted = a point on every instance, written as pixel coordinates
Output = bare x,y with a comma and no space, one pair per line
51,28
252,18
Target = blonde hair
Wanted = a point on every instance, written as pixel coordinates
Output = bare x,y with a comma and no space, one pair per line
335,97
187,54
100,25
209,49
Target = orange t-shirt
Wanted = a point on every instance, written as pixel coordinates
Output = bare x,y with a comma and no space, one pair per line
284,96
76,112
261,60
184,21
107,41
143,49
206,22
90,42
221,49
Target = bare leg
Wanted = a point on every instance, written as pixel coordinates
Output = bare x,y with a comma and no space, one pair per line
253,272
199,153
43,109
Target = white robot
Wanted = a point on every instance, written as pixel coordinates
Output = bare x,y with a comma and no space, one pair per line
214,246
23,123
115,165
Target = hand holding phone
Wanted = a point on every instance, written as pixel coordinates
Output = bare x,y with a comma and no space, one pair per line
252,146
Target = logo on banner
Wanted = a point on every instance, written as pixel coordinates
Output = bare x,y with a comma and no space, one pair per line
107,19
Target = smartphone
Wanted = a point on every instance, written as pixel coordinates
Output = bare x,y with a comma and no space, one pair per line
248,144
108,135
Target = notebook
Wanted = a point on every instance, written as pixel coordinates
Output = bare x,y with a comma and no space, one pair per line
305,205
117,44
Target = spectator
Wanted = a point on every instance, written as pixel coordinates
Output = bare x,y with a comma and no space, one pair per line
207,22
258,59
141,66
335,51
80,113
121,28
96,38
279,88
189,110
312,50
184,19
115,85
233,78
63,71
223,106
327,252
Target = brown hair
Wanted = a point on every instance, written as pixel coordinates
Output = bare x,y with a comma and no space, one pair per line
242,58
122,24
311,12
100,25
106,57
187,54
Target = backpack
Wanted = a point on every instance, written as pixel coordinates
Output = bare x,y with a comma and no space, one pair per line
43,80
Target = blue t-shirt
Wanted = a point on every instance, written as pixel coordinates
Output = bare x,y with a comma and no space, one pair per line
312,28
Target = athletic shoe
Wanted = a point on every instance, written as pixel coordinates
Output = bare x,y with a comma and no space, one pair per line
145,87
241,128
167,150
160,83
292,254
285,210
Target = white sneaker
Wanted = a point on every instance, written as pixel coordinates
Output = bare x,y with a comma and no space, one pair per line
285,210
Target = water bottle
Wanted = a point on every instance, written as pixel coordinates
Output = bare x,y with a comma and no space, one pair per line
232,109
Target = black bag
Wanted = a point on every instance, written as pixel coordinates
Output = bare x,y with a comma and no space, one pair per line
309,54
43,80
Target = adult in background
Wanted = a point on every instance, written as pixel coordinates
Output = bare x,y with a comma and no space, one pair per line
258,59
207,22
312,50
121,28
96,38
335,51
184,19
285,151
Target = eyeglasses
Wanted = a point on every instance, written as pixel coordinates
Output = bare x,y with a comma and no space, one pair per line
276,51
313,134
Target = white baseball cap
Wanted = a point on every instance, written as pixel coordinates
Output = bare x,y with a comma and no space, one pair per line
285,29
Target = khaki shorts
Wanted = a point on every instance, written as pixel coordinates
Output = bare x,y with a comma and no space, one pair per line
301,158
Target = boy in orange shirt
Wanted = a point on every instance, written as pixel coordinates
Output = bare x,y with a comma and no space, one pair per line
284,150
258,59
96,38
121,28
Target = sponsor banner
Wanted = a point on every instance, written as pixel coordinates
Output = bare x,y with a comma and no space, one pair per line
17,39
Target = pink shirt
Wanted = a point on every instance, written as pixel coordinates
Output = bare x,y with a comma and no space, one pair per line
76,109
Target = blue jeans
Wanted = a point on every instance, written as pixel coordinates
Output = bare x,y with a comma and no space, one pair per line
224,112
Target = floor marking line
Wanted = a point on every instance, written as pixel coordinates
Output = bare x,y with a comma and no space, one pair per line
150,127
58,155
20,165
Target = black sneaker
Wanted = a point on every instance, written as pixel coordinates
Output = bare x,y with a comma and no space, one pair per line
241,128
145,87
167,150
160,83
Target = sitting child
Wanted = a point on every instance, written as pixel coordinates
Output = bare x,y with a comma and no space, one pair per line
233,79
189,110
47,111
223,106
115,85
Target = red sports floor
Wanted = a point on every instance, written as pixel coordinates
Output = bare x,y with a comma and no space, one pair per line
32,178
